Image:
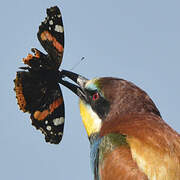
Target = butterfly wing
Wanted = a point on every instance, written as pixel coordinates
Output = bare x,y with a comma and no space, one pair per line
51,35
43,100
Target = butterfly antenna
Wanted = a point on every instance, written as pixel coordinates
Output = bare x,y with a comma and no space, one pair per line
77,63
63,77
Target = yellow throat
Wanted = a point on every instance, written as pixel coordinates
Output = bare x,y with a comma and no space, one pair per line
91,121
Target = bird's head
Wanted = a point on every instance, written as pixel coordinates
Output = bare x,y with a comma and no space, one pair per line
103,99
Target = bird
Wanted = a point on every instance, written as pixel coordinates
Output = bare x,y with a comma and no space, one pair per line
128,138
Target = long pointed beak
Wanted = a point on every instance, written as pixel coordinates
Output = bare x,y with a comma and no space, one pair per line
79,87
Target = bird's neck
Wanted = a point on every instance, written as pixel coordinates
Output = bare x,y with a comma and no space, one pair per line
93,138
95,141
100,146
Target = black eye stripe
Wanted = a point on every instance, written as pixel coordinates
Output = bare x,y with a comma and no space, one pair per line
91,92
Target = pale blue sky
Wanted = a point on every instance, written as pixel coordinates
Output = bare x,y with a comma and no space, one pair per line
135,40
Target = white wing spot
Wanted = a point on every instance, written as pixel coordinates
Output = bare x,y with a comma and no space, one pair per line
58,121
51,22
59,28
48,128
45,21
60,133
46,122
49,28
59,15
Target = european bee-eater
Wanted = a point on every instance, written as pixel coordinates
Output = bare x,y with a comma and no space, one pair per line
129,140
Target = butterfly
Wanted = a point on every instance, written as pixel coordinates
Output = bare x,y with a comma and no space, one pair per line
36,85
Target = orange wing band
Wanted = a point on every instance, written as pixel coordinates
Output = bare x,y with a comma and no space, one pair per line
42,115
47,36
19,95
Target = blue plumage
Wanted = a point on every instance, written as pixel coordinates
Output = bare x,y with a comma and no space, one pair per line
95,141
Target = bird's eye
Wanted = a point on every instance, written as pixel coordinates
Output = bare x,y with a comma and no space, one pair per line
95,96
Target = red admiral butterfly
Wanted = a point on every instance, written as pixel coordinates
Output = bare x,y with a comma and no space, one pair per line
36,86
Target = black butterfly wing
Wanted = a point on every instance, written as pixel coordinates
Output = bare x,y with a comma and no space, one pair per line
51,35
43,100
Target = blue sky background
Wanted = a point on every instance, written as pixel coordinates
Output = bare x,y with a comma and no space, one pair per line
135,40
